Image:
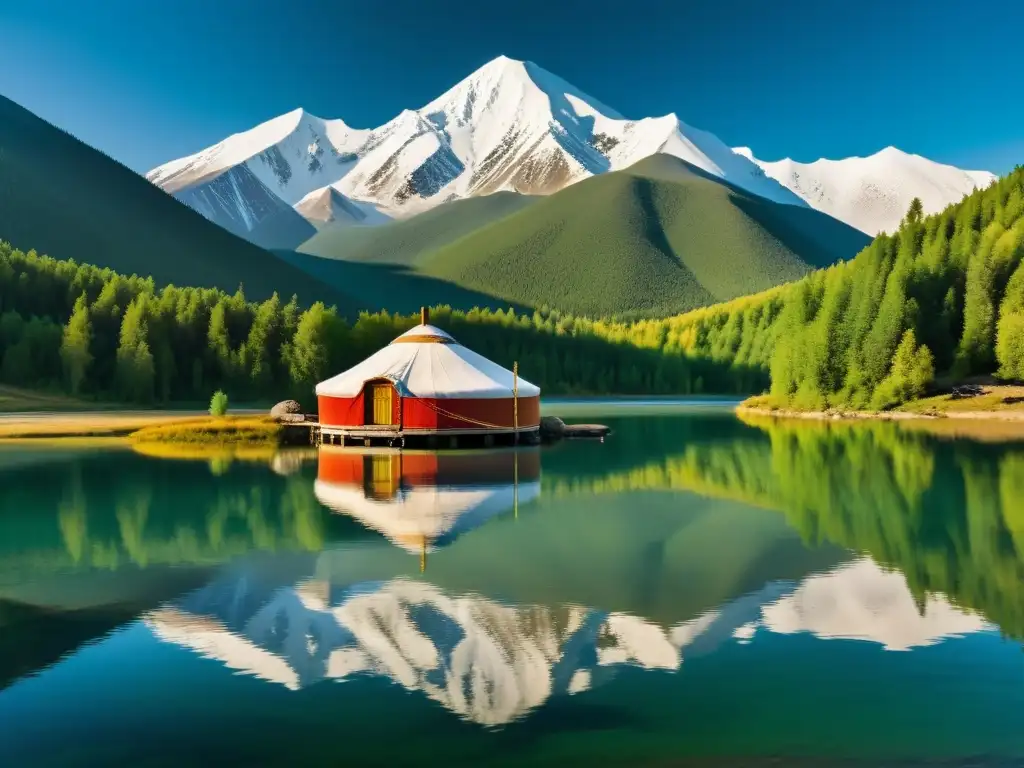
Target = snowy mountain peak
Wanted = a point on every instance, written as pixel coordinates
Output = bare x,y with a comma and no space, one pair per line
509,126
513,126
873,193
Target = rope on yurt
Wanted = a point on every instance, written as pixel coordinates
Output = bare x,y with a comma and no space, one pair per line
459,417
478,422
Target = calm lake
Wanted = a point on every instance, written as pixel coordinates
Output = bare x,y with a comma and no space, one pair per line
697,590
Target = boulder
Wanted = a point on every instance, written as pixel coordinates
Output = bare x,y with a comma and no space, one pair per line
551,427
286,410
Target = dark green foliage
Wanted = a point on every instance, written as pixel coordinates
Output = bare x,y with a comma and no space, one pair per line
71,201
915,212
135,367
912,371
1010,338
309,354
177,344
74,349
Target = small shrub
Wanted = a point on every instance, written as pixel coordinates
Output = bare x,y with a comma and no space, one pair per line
218,403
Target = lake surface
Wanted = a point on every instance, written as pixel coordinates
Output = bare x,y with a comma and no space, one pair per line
694,591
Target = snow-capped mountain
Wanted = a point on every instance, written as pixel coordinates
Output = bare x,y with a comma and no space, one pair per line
513,126
509,126
873,193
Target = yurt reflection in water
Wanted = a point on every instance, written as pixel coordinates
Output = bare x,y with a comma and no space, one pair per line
421,501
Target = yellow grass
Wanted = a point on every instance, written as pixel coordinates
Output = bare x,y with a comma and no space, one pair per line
80,424
995,398
995,415
214,431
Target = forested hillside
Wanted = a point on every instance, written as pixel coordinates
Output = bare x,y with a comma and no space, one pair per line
94,333
943,296
71,201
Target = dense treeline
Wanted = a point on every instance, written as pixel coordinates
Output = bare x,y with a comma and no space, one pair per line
95,333
944,295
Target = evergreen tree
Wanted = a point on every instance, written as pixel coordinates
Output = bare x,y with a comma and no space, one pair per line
1010,338
911,373
308,355
915,212
74,351
135,367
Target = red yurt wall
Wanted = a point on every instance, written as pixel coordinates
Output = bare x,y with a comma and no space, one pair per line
434,414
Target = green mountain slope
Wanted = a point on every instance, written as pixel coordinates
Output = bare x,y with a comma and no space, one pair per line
70,201
658,238
405,242
394,287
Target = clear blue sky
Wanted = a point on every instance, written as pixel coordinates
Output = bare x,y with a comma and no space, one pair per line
150,80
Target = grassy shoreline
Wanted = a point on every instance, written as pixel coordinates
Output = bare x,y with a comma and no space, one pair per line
995,414
139,426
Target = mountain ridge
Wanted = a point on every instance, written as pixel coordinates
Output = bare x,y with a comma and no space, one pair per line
513,126
509,126
873,193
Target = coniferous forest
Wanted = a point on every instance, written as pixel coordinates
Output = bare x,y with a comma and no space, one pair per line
941,297
94,333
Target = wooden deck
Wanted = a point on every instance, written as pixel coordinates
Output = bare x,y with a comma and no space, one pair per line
314,433
388,436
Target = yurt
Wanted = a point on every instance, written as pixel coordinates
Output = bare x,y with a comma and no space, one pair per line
426,384
420,500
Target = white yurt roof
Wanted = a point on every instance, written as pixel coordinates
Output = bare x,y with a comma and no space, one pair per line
431,514
427,362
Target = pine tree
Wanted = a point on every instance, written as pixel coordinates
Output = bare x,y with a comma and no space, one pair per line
915,212
74,351
263,346
911,372
308,355
1010,334
135,367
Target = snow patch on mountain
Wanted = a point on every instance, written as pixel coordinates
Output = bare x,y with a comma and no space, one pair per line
327,206
873,193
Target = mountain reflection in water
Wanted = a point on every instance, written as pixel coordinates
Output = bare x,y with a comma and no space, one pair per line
492,663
